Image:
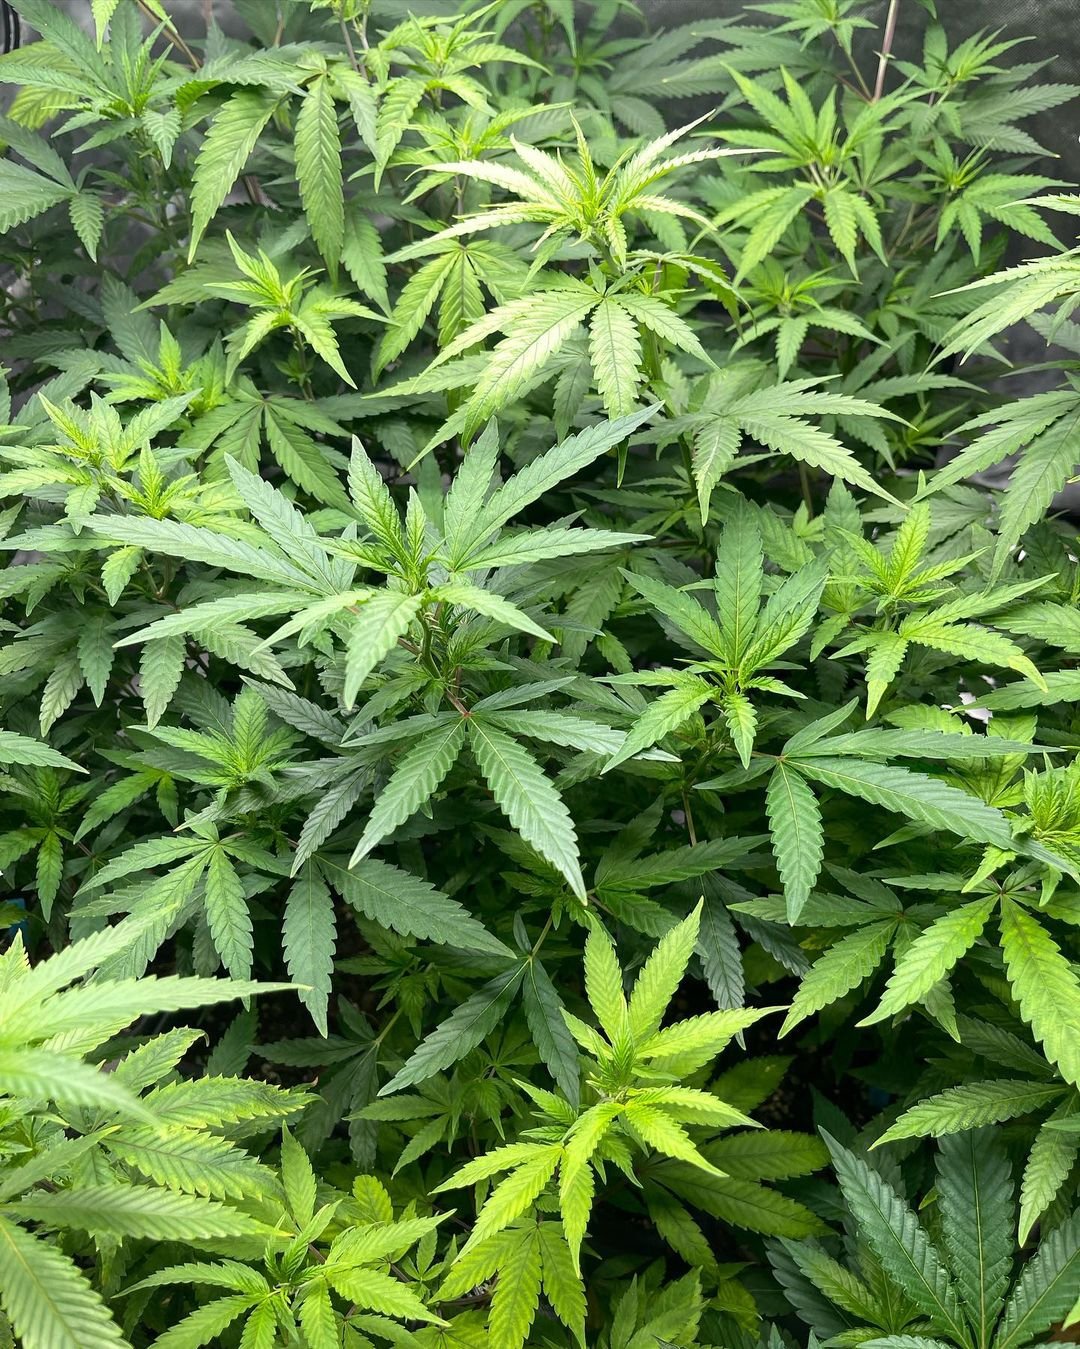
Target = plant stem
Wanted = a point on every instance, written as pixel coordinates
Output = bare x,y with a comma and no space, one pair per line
174,37
886,48
804,483
347,37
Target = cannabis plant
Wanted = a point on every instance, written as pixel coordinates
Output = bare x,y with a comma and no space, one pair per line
959,1283
517,536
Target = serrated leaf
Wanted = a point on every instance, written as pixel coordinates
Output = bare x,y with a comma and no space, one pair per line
1045,985
232,137
930,957
615,352
683,611
413,782
517,1290
662,716
308,938
25,194
530,800
22,749
138,1211
469,1023
318,170
969,1107
47,1300
409,905
843,967
547,1026
661,976
227,915
975,1191
604,983
381,621
797,836
1052,1157
1046,1291
919,797
899,1241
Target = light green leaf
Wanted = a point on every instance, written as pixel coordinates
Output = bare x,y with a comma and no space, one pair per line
413,782
382,620
922,798
46,1298
970,1107
661,976
22,749
930,957
138,1211
1045,985
1051,1159
227,915
517,1290
604,983
666,714
232,137
615,352
843,967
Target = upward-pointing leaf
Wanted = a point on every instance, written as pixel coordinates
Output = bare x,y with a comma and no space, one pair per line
232,136
975,1190
604,983
1046,987
467,493
534,807
318,170
376,629
899,1241
553,467
1046,1291
663,716
931,956
1051,1159
308,935
797,837
737,582
615,351
661,975
1042,471
535,334
684,611
843,967
461,1032
415,778
547,1026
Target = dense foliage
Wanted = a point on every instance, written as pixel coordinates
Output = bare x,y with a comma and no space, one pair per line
512,577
